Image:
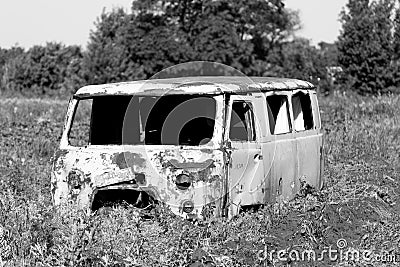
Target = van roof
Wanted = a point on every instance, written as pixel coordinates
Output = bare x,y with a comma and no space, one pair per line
209,85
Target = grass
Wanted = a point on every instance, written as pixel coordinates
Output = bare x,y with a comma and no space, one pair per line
360,202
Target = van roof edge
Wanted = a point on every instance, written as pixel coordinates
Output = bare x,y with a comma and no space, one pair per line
207,85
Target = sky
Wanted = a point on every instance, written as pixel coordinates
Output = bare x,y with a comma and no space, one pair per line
319,18
26,23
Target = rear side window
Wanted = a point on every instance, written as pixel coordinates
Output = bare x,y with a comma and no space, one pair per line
278,114
242,122
302,112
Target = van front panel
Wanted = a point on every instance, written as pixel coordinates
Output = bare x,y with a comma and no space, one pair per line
132,145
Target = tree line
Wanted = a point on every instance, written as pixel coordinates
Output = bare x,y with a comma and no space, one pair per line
255,37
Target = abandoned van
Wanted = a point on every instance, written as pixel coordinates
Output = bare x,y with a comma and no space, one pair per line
204,146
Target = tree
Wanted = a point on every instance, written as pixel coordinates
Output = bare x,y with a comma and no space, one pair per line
365,45
396,50
107,58
159,34
42,69
299,59
329,53
6,55
396,36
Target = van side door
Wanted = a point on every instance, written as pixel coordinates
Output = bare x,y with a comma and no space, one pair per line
245,166
308,137
279,149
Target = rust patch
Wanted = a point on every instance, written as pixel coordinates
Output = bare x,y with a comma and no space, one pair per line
140,178
60,153
127,159
74,179
130,184
206,150
205,176
58,159
156,92
103,156
191,84
192,165
77,178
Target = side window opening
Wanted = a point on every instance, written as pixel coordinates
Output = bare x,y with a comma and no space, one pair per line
302,112
242,127
278,114
79,134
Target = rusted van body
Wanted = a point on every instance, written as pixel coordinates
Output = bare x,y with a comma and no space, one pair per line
205,146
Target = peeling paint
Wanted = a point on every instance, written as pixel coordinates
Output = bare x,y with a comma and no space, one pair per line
140,178
127,159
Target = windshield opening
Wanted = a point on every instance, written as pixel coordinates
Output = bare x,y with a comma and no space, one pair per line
167,120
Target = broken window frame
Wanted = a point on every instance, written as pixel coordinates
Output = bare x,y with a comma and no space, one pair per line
311,111
315,109
216,139
288,112
77,109
71,110
250,122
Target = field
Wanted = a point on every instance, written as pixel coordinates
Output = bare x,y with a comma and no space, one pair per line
360,202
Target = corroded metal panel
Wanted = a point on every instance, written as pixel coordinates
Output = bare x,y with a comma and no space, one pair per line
308,156
78,174
280,168
194,85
